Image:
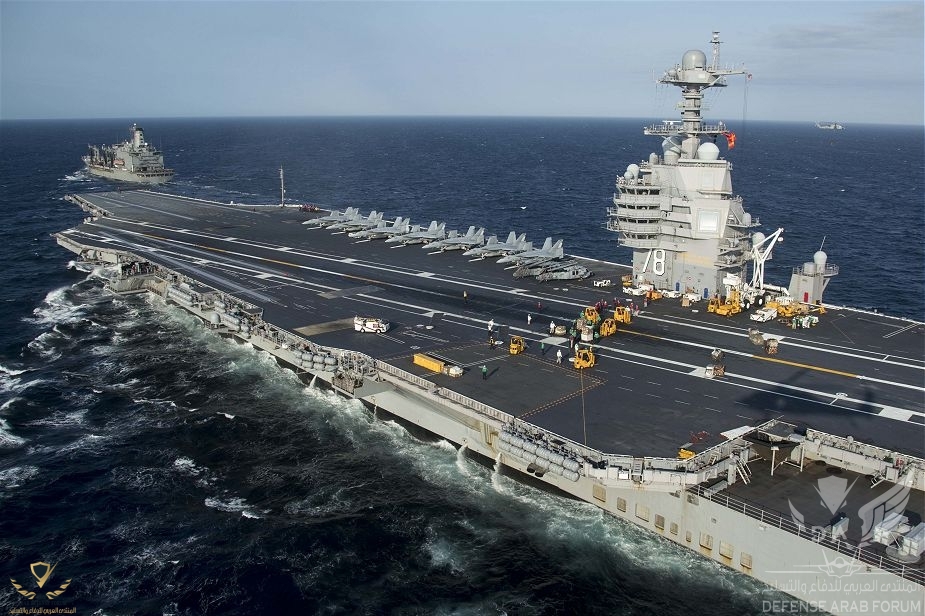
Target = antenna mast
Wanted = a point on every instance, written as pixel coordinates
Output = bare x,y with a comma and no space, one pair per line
282,189
716,43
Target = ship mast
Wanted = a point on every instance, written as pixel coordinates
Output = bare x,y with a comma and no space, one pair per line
282,189
693,76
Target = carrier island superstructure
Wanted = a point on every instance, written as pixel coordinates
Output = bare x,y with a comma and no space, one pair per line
803,470
677,211
134,160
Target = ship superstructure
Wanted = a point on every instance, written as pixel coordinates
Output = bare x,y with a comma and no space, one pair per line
134,160
677,210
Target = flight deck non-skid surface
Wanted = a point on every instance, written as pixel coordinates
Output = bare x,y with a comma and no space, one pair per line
856,373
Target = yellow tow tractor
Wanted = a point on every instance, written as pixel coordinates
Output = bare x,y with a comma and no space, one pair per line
622,314
591,315
732,304
517,345
584,358
608,327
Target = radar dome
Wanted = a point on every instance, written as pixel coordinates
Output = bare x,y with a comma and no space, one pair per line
633,170
692,59
653,158
672,149
819,258
757,238
747,219
708,151
672,144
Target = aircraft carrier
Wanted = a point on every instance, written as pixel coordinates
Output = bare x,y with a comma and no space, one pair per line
789,449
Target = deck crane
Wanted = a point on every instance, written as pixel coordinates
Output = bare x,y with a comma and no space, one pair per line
742,296
761,252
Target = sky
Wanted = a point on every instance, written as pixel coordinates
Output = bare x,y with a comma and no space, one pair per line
853,62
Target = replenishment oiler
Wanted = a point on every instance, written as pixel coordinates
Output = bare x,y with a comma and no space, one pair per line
134,160
747,421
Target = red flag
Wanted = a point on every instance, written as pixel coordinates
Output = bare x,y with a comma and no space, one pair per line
730,139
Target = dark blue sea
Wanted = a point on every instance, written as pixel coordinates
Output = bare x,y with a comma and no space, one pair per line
166,471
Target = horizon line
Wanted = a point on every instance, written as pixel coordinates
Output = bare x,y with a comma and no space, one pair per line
423,116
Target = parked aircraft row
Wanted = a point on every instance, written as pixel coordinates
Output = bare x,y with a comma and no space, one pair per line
515,249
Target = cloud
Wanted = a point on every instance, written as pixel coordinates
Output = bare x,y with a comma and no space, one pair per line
876,29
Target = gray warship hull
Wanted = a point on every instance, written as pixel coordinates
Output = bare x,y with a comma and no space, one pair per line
124,175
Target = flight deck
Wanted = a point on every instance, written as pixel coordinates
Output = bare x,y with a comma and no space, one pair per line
855,373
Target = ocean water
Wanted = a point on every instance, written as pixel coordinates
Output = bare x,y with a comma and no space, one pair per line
166,471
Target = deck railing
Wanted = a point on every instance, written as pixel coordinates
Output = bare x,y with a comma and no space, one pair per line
786,523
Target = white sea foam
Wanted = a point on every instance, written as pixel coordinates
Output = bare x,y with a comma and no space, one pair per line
233,505
93,444
7,438
43,346
327,501
16,385
78,176
18,475
6,405
57,308
61,419
160,554
11,371
444,553
139,479
80,266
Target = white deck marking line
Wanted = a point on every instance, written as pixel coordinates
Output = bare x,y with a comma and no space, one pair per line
691,368
658,359
902,330
791,342
143,207
895,413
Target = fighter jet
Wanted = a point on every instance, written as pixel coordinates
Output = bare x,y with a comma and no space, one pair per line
369,222
549,251
383,229
460,242
334,217
494,248
432,233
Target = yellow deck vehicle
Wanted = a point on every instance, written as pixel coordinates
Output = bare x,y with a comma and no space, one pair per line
622,314
591,315
608,327
517,345
584,358
732,305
